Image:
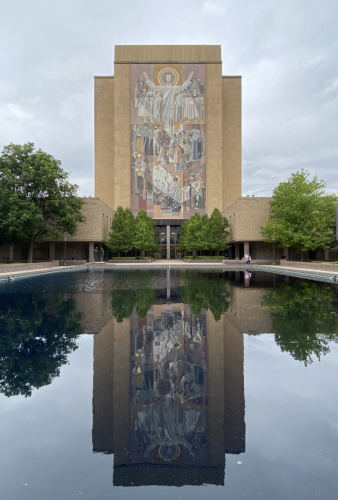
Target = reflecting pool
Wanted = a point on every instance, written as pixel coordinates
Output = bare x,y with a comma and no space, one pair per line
168,383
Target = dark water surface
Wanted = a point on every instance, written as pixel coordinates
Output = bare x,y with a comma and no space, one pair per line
187,385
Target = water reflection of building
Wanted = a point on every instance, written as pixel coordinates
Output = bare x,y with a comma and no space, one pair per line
168,398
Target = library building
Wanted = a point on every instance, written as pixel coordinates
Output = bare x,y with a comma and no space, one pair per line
168,139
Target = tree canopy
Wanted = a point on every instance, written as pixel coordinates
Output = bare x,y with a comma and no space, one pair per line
206,291
145,237
122,231
302,215
304,318
37,200
124,302
217,233
204,233
195,237
37,334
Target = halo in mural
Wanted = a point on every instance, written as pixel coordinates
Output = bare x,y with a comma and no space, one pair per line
169,452
168,76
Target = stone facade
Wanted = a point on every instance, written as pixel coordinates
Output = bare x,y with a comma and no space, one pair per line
114,429
78,247
246,216
222,109
98,221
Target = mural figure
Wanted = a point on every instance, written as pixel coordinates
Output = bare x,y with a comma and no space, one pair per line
168,91
168,396
168,140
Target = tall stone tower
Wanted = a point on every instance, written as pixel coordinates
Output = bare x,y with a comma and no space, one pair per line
168,133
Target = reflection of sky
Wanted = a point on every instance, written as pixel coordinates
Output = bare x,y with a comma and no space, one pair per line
292,435
291,426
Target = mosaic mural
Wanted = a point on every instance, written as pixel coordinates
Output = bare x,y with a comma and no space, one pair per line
169,387
168,139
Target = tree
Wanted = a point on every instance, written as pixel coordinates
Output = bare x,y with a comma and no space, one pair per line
217,234
37,334
124,302
37,200
145,238
206,291
304,318
302,216
122,230
182,236
195,236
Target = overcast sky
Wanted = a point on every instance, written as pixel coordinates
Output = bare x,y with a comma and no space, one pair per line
286,52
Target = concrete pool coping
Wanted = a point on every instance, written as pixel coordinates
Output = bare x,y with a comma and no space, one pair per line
312,274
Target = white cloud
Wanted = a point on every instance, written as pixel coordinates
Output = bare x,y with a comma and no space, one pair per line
286,52
331,87
18,112
215,8
313,61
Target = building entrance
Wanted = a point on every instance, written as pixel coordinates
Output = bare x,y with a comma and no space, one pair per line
168,240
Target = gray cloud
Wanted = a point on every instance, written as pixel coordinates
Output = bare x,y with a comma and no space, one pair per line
286,52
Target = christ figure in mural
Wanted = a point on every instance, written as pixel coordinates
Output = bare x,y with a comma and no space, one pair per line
168,91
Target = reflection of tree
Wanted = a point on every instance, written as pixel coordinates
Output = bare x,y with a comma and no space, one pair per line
304,318
124,301
208,291
37,334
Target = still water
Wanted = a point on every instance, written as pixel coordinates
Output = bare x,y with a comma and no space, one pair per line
187,385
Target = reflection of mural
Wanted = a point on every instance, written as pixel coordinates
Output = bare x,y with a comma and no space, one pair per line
168,139
168,393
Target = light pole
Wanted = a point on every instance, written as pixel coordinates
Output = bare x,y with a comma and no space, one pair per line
65,240
273,251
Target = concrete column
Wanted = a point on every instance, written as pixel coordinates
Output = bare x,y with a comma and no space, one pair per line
11,252
234,401
168,241
246,247
326,254
286,252
91,252
168,283
51,250
216,390
121,392
236,251
103,387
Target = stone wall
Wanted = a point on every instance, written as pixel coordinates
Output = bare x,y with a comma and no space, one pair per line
98,221
10,268
311,265
232,139
246,216
223,123
104,138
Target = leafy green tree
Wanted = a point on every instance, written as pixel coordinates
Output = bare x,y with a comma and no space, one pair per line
145,237
217,233
37,334
37,200
121,235
208,291
182,236
302,216
195,235
124,302
304,318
